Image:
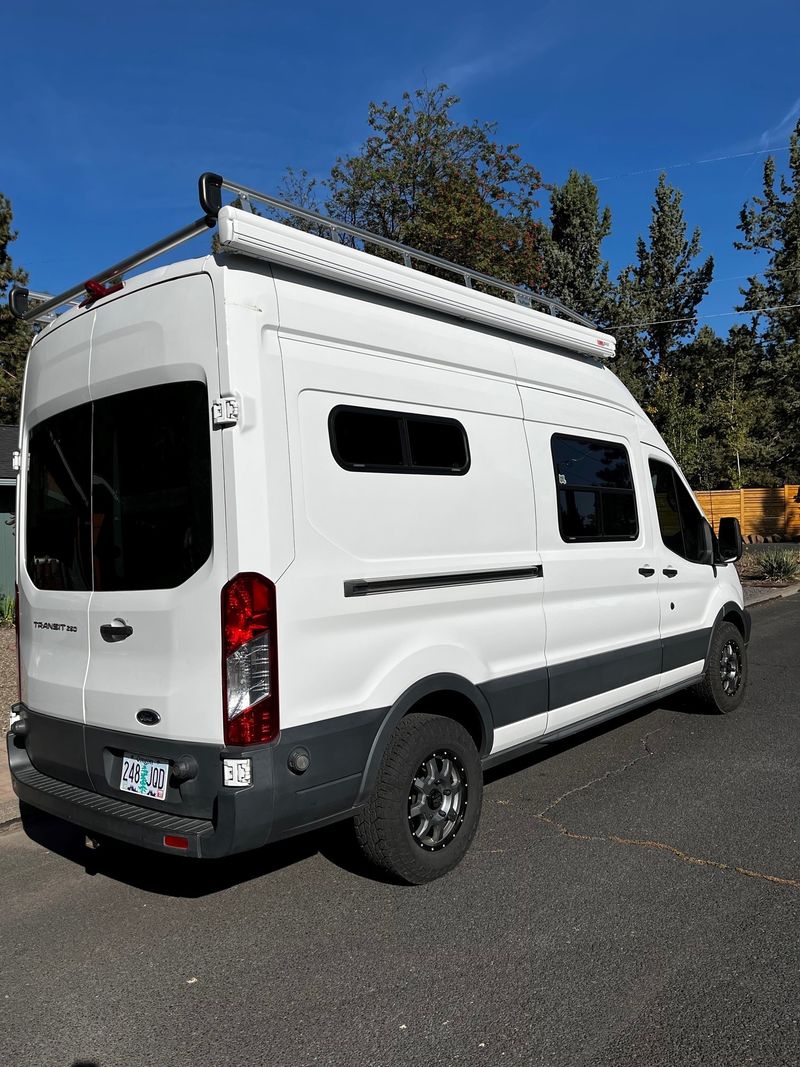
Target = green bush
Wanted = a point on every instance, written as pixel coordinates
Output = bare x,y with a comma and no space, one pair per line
6,608
783,563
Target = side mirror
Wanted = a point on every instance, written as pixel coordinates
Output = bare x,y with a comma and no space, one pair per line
731,545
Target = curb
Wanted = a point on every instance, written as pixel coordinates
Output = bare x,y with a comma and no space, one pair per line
763,596
9,817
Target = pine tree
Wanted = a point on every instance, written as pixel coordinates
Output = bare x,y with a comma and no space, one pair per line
770,225
576,273
14,335
658,296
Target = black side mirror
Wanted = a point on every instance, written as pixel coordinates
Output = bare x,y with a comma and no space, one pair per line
731,545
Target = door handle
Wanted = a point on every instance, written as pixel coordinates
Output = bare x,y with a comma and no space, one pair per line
117,630
670,572
647,572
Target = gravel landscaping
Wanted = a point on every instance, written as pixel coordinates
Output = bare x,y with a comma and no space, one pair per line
8,674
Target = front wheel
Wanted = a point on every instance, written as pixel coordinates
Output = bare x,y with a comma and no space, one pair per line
723,684
424,810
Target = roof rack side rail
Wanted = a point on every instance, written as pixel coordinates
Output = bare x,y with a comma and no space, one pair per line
521,295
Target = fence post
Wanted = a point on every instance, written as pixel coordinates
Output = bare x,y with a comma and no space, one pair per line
741,508
786,512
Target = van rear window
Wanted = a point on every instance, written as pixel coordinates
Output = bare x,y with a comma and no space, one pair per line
119,492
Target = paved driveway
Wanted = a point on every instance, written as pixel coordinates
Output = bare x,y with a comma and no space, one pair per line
632,897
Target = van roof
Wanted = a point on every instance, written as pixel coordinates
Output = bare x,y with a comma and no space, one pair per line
350,263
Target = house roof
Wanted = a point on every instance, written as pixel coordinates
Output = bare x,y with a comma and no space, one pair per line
9,442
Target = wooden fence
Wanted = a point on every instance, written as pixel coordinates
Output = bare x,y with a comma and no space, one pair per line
766,512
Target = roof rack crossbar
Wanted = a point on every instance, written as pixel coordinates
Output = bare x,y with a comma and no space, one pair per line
406,252
19,298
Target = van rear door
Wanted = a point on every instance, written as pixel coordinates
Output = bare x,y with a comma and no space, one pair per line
55,567
159,548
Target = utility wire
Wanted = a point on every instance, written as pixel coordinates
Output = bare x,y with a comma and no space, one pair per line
691,318
693,163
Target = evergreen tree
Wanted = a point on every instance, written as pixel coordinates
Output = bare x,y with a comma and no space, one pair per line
444,187
14,335
658,296
770,225
576,273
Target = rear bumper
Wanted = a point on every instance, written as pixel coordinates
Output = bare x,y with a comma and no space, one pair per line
240,819
72,771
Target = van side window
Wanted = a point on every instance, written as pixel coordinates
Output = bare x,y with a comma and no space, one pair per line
366,439
683,528
596,498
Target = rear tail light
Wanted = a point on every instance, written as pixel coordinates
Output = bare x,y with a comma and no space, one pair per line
249,660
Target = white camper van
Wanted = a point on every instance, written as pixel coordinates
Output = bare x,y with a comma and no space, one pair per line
308,533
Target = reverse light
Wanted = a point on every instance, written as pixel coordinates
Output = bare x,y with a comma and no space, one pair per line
249,661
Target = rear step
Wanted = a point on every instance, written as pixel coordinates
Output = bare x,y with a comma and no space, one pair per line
93,810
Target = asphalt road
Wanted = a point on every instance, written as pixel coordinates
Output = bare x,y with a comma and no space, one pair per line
632,897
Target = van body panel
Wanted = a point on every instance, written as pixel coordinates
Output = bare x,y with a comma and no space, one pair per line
373,525
53,636
158,336
257,490
602,615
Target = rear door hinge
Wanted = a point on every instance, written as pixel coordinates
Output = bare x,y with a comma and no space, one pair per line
225,412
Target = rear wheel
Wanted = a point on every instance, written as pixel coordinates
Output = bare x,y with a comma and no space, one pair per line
424,810
723,684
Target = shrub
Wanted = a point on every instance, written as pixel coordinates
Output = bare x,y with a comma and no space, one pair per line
782,563
6,608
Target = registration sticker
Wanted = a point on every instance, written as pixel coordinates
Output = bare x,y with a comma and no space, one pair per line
144,777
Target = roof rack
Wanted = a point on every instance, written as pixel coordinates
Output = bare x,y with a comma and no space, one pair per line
41,307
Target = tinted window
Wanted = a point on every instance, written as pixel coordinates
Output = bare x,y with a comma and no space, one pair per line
596,499
119,492
683,529
151,487
367,440
58,543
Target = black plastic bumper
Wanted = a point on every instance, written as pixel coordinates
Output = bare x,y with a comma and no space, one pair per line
235,819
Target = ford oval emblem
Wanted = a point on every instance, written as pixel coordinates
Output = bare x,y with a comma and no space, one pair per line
148,717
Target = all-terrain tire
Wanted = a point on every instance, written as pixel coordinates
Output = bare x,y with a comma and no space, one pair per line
723,684
429,783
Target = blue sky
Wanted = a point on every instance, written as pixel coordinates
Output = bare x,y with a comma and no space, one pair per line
112,111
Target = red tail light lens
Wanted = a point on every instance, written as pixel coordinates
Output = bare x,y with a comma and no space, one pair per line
249,661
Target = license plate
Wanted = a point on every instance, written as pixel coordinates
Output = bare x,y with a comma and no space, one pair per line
144,777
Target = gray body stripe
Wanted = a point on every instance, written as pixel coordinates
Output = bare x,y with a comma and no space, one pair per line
685,648
517,696
593,675
520,696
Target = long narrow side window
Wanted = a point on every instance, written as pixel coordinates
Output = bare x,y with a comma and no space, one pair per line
594,485
396,442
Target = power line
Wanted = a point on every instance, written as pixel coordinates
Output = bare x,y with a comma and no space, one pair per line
691,318
693,163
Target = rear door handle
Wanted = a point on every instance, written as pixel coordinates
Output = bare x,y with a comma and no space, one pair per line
647,572
117,630
670,572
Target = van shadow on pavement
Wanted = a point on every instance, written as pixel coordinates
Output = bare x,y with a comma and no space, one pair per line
164,875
